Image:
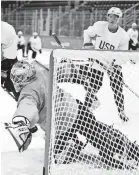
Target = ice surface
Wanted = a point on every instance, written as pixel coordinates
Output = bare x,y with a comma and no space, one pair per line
107,112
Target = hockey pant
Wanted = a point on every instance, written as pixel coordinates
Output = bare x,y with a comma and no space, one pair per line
34,53
21,47
102,136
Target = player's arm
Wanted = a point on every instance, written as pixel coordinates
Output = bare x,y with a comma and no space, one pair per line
30,40
22,41
124,43
8,41
38,44
137,37
23,122
27,107
89,34
129,32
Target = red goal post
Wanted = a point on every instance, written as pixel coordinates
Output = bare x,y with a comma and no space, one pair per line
62,111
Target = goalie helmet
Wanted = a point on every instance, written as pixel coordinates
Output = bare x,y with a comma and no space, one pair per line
115,11
22,73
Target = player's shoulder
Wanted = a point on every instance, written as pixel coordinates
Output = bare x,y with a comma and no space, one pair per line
101,23
8,33
6,26
123,32
129,29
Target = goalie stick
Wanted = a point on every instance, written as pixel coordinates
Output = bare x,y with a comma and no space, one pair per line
98,62
111,73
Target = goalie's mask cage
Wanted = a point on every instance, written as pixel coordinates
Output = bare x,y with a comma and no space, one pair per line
21,74
88,94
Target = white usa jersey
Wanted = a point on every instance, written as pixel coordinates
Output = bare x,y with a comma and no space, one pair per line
106,39
35,43
8,41
133,34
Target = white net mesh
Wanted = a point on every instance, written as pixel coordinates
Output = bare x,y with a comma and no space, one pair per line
94,93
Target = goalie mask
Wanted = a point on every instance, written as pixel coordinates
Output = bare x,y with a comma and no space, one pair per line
22,73
115,11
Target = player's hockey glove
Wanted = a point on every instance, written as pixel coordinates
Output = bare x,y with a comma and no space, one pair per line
21,132
88,46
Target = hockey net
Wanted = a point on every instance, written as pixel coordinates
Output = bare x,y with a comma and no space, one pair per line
88,96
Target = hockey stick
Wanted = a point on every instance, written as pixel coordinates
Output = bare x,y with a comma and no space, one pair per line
42,65
57,40
111,73
98,62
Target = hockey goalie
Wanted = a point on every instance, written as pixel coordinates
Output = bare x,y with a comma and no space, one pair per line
105,138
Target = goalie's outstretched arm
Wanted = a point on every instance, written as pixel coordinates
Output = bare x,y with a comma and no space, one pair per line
23,123
31,105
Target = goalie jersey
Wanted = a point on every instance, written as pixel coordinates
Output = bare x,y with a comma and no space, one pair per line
106,39
8,41
32,102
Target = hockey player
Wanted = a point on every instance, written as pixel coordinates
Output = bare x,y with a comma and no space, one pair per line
31,80
133,35
8,55
21,43
109,36
34,44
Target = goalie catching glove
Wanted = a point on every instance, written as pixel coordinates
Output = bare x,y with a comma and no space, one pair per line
21,132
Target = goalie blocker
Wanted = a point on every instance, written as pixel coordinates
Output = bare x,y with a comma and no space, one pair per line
21,132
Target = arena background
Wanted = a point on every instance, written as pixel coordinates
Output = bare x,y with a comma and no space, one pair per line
67,19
